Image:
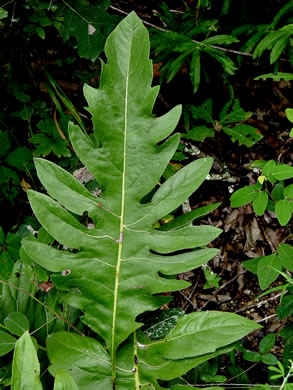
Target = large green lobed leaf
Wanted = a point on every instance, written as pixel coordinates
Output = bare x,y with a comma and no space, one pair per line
117,270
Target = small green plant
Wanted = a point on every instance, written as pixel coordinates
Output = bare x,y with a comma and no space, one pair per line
276,197
287,338
26,346
265,346
88,24
270,191
276,77
15,167
208,372
230,121
187,42
79,23
279,372
3,13
44,16
9,248
212,280
268,37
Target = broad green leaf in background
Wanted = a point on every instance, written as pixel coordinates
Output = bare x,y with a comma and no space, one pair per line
25,113
252,264
186,219
3,13
283,172
281,43
285,309
225,7
25,365
198,333
17,323
199,133
244,134
283,211
221,40
242,196
13,300
278,192
195,69
289,111
232,112
258,164
288,191
268,41
285,252
174,67
260,202
267,343
119,268
204,111
283,11
89,24
269,358
41,32
266,274
251,356
86,359
228,65
7,343
268,168
90,366
152,354
276,77
19,158
63,381
46,145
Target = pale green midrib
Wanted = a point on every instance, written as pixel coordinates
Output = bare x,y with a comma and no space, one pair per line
121,224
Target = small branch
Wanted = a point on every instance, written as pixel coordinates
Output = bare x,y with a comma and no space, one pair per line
266,318
259,304
77,13
287,376
188,300
8,2
58,127
193,40
228,282
43,304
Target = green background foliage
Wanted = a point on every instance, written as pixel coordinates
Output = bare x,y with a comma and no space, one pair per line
47,308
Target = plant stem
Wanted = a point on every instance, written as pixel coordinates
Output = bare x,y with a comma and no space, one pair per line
287,376
43,304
